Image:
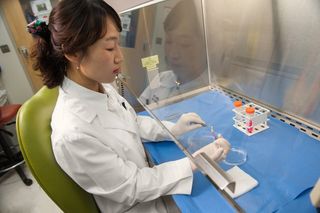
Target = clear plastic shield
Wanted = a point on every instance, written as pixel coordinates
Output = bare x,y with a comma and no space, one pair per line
250,70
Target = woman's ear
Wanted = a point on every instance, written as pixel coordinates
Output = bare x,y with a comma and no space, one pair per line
73,58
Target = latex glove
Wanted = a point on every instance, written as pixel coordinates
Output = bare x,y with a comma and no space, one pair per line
216,150
186,123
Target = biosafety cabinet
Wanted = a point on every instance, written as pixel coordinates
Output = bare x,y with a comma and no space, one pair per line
251,70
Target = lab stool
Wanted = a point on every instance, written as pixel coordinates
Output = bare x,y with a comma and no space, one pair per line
10,158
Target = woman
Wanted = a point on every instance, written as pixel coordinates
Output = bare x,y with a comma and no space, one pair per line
96,135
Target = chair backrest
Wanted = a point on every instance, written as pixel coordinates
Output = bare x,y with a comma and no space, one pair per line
34,135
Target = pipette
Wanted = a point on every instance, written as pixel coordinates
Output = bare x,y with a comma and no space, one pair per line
215,135
202,124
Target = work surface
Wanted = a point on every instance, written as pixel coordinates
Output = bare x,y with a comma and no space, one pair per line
284,160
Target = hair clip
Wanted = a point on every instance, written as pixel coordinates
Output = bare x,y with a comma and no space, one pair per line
40,28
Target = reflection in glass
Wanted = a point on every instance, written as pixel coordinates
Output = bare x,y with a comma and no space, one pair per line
184,56
254,59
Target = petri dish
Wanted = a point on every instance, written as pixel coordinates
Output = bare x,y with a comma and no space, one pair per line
195,142
235,157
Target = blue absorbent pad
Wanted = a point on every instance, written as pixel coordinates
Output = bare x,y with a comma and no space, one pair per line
282,159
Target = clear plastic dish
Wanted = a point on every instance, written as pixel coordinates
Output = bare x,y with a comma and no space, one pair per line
236,157
195,142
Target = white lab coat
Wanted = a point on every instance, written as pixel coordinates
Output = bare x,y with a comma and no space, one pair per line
97,142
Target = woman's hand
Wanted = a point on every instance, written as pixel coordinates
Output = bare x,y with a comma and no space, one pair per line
217,150
186,123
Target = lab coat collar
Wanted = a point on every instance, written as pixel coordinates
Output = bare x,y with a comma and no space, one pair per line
88,104
167,79
76,90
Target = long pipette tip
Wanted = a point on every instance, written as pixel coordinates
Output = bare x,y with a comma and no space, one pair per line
202,124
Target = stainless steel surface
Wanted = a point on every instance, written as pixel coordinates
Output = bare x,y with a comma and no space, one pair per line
142,5
12,167
213,170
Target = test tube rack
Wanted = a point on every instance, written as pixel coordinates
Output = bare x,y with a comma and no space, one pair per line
258,119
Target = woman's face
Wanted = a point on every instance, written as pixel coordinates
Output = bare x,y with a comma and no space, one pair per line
184,52
102,61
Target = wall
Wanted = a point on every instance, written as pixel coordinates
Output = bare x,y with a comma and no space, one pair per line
12,77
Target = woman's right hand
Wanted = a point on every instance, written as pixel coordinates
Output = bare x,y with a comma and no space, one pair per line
187,122
217,150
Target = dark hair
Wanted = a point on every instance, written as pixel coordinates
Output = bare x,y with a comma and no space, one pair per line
74,25
183,12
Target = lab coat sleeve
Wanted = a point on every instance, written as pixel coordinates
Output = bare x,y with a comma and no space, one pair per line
150,130
100,171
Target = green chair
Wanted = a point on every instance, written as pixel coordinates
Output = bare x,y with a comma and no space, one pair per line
33,132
